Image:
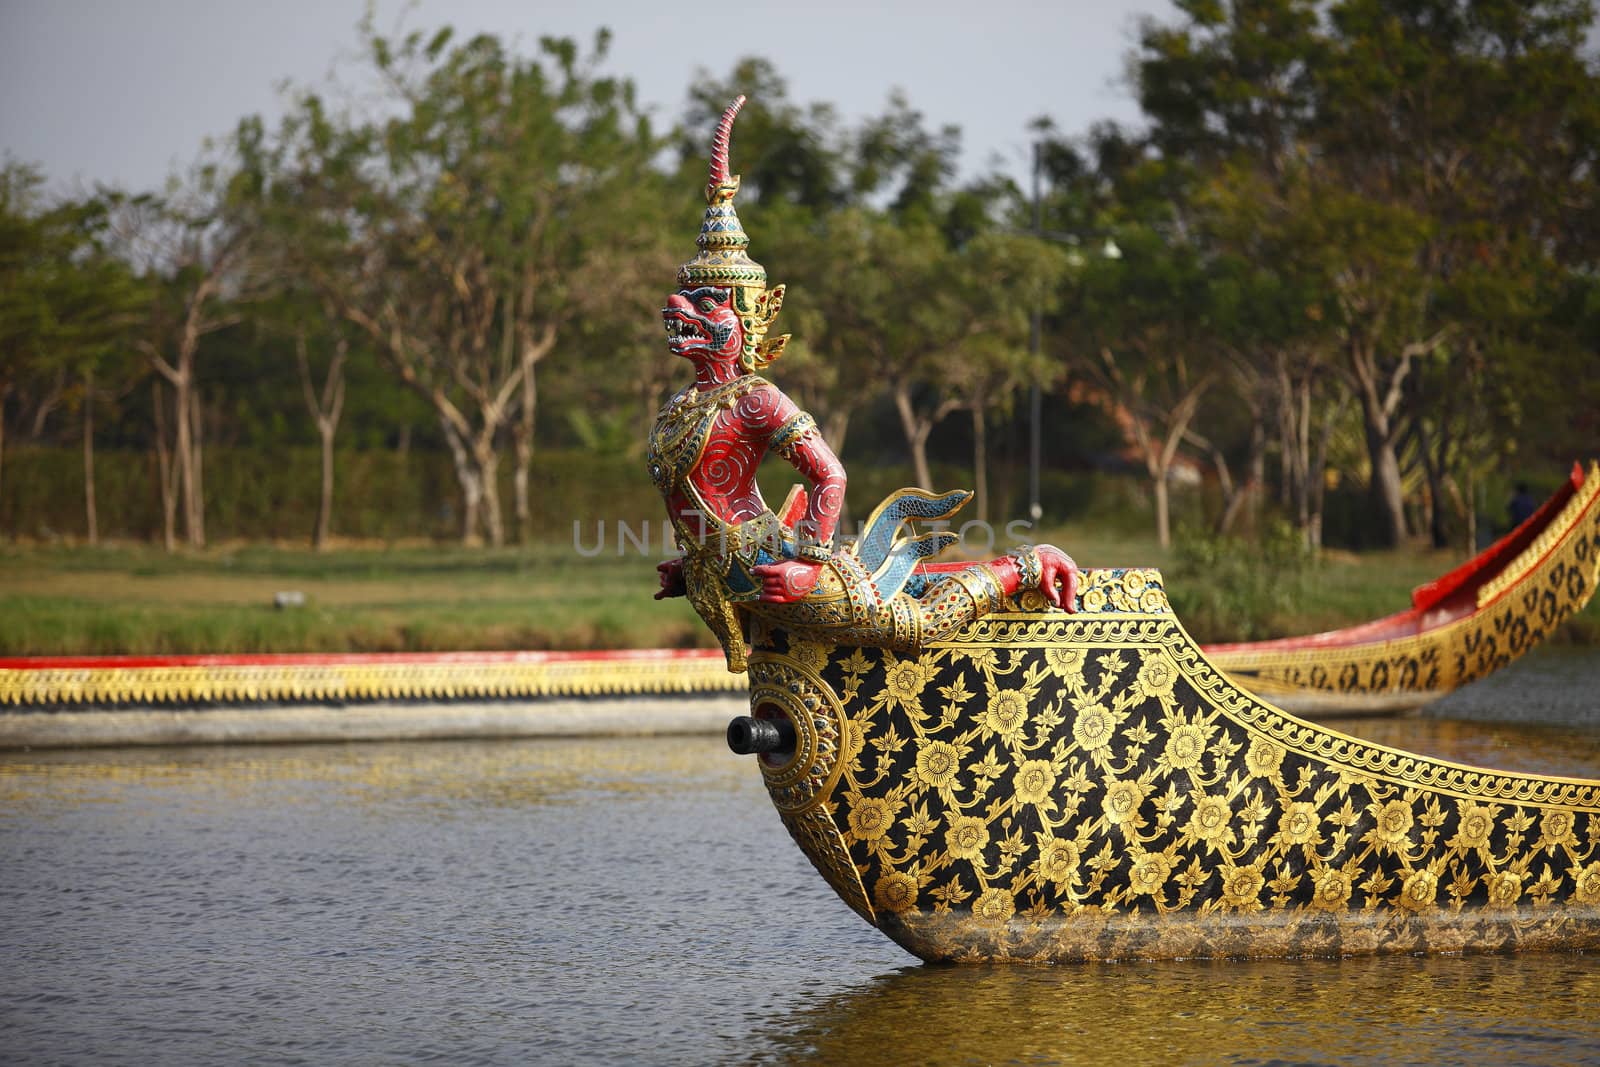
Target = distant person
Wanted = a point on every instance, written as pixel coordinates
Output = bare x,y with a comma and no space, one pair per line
1522,506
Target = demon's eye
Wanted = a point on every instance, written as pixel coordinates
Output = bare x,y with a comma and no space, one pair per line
707,304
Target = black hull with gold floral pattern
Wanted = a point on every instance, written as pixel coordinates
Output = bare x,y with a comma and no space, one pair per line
1046,786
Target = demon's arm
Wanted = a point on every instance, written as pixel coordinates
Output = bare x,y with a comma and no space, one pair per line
793,434
1057,576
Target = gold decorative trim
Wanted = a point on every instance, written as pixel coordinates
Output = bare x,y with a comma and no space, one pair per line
819,838
807,779
454,677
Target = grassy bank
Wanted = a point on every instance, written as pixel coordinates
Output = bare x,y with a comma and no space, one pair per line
138,599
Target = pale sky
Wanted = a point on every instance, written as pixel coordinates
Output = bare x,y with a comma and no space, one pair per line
124,91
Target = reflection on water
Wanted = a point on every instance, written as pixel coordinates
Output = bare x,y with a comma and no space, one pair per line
619,901
1391,1010
1550,685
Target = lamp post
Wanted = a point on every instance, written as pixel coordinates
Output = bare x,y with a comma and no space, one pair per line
1036,325
1035,329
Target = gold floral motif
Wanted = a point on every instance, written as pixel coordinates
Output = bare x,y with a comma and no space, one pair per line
1211,820
1066,661
1394,822
1034,782
1421,890
1123,800
896,891
870,817
809,654
1474,826
995,905
1058,861
1157,675
1093,728
1186,747
1333,888
1587,890
1555,829
966,837
1007,714
1263,758
937,764
1149,873
1241,887
1300,824
905,679
1505,887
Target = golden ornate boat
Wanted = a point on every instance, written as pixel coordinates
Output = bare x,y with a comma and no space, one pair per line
1043,786
1475,620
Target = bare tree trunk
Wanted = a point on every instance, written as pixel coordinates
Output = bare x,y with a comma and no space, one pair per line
1470,495
1258,476
1163,511
532,352
1317,475
470,481
91,520
1387,488
49,402
488,462
165,472
1234,494
1380,401
918,428
195,499
523,440
916,434
325,412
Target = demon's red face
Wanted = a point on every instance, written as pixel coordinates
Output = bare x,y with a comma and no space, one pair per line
702,324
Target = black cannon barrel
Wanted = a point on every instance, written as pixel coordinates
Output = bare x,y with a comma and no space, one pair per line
748,735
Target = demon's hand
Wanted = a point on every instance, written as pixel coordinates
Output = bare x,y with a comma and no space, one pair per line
671,573
1058,577
786,582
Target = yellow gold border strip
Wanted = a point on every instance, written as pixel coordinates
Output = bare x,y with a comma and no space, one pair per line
361,681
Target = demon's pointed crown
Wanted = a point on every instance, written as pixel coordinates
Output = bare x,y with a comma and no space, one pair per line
724,259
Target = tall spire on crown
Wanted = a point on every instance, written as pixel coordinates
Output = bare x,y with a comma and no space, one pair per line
723,259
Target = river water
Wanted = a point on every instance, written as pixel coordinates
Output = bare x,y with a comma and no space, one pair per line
637,901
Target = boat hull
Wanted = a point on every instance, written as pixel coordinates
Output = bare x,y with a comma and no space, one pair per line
1046,786
1498,607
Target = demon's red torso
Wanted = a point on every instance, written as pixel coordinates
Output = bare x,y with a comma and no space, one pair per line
741,434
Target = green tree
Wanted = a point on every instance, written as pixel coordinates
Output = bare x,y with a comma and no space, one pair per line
67,306
497,202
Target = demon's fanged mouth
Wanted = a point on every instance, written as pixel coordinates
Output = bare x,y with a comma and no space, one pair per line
684,332
700,320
